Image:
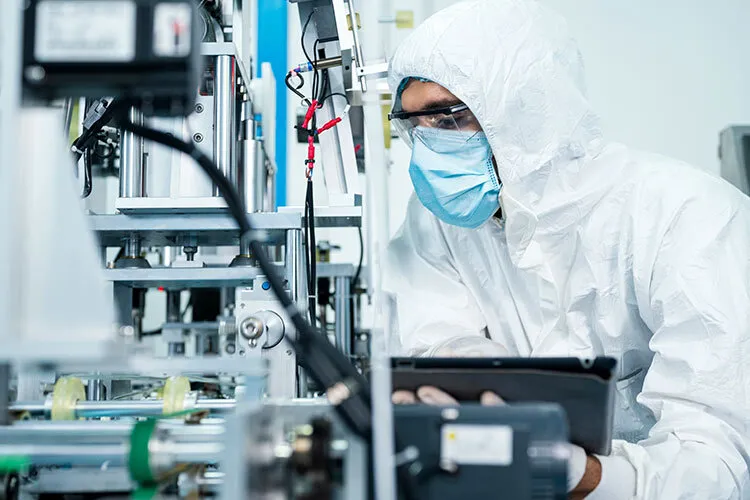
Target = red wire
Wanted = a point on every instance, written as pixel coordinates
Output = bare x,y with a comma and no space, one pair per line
312,133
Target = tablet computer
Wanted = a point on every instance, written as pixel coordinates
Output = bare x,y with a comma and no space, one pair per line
585,388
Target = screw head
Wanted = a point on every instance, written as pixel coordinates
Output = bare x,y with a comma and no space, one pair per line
242,352
199,108
35,73
230,348
198,137
251,328
127,331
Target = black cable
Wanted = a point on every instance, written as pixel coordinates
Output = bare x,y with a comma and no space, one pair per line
312,248
302,38
87,163
316,92
355,278
307,252
311,255
326,87
88,137
312,61
288,83
328,96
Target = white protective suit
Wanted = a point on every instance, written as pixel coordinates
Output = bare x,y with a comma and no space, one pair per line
601,250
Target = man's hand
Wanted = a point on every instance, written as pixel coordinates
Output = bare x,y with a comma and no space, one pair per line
592,468
434,396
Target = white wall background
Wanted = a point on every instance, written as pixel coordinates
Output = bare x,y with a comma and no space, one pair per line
665,76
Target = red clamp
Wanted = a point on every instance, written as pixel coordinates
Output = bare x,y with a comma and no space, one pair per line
310,161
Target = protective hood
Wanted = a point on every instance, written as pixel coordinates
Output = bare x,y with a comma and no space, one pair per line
513,63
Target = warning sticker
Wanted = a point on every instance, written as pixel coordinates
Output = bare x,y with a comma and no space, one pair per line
172,25
85,31
477,444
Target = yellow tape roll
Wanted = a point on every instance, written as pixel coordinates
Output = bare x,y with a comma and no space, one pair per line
67,392
175,392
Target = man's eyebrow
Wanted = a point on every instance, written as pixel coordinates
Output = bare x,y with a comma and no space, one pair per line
442,102
445,102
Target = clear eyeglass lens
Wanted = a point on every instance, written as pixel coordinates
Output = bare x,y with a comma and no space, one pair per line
461,121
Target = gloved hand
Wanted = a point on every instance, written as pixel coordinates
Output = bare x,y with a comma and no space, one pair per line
434,396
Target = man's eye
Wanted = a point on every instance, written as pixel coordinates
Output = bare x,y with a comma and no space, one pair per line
445,122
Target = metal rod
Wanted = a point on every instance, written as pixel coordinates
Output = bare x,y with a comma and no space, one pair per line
293,264
328,63
343,315
224,119
132,246
112,454
259,166
67,115
297,287
143,407
174,314
131,161
101,432
73,454
184,444
132,176
376,168
94,390
250,178
357,44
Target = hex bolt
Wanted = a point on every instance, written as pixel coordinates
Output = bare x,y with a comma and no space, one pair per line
251,328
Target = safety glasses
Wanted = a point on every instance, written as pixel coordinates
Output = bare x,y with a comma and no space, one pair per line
457,119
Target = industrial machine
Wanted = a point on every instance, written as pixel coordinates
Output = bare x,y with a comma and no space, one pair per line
167,329
734,153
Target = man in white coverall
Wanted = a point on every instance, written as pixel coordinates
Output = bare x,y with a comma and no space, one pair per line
531,235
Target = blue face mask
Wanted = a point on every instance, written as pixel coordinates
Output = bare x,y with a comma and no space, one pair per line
453,176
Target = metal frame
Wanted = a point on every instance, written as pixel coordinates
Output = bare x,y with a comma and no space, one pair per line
337,146
10,100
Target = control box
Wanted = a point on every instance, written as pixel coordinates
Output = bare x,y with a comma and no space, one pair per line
144,50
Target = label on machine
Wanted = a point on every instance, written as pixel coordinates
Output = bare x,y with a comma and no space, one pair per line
172,26
476,444
85,31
